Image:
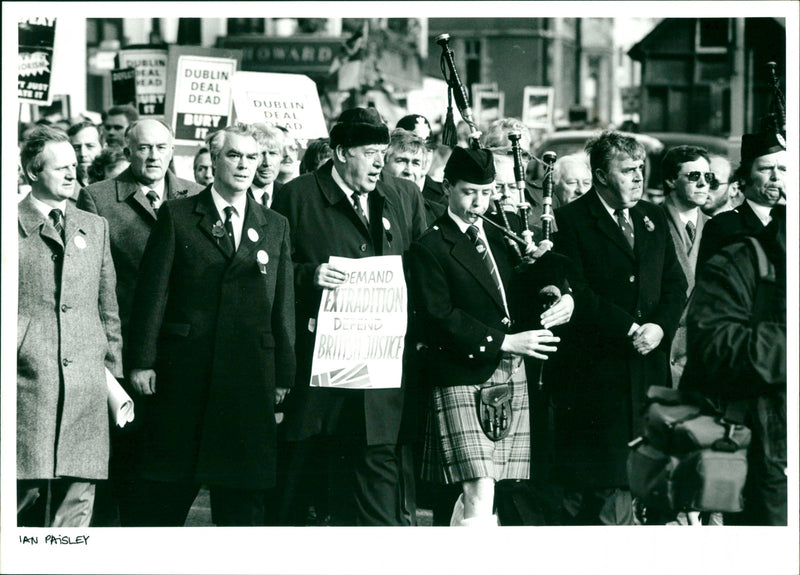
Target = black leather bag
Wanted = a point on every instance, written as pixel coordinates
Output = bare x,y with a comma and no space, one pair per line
494,411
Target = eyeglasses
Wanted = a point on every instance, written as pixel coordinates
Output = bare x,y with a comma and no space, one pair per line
695,176
715,184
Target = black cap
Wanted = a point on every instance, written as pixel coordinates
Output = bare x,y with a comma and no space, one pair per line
761,144
359,127
419,125
468,165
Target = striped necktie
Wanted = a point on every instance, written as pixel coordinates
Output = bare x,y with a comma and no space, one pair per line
480,246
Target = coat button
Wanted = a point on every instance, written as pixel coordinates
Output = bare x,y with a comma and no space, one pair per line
638,314
65,362
54,257
632,279
363,247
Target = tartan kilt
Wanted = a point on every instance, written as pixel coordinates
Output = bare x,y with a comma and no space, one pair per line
457,450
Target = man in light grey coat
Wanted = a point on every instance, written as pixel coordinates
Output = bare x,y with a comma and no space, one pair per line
68,334
687,178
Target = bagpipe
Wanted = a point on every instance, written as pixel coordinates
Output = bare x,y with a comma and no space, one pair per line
541,274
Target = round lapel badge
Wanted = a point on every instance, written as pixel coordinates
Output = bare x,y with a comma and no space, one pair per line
80,242
386,224
252,234
262,257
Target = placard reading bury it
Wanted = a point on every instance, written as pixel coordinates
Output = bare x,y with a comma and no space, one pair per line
202,96
35,60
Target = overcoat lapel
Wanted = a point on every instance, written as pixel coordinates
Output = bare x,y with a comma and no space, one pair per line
336,197
207,211
30,219
608,226
642,236
72,226
253,220
465,254
128,190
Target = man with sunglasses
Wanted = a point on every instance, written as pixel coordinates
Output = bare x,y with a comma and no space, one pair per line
723,191
687,177
761,175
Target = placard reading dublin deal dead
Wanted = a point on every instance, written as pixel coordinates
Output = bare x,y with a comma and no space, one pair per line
287,100
202,97
361,326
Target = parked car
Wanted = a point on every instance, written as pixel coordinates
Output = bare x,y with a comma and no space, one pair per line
572,141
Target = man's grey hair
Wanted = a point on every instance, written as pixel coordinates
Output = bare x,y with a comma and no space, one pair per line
216,140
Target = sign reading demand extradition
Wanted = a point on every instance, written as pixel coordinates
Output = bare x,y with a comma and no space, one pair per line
202,96
287,100
361,326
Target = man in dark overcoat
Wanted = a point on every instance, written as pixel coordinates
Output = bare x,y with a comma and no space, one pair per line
343,209
68,335
629,294
130,204
212,341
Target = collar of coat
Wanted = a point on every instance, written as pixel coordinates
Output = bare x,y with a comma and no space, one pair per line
32,220
332,192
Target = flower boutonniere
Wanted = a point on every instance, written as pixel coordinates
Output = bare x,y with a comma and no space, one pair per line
217,230
180,193
648,224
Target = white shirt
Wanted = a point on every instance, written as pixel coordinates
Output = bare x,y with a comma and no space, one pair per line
47,208
237,218
348,191
158,188
463,226
611,211
258,193
763,212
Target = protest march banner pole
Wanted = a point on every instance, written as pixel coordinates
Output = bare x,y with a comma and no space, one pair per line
123,87
361,326
287,100
150,63
35,60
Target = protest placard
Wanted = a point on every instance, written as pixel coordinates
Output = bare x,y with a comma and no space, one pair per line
287,100
202,96
150,64
35,59
361,326
123,87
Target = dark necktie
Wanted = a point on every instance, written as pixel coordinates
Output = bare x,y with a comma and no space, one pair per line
265,199
229,211
480,246
152,197
359,210
690,231
57,218
625,226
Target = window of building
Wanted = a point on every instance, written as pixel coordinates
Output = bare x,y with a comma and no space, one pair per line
240,26
103,30
712,35
472,57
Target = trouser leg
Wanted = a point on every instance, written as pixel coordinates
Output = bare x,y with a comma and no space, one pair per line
167,503
55,503
237,507
376,486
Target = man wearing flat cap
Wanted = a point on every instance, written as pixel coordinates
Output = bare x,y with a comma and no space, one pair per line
344,209
462,292
761,175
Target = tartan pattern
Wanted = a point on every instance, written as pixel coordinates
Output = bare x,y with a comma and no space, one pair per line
456,448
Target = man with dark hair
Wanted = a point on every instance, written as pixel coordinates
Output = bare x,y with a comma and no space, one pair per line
212,344
723,190
357,215
687,177
130,204
201,167
761,177
629,292
86,141
115,121
68,337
